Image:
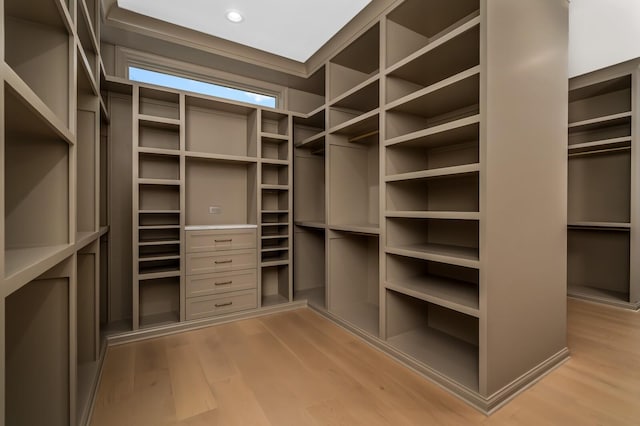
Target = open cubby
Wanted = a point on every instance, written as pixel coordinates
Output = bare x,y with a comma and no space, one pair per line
418,23
275,242
158,218
448,241
159,301
453,57
354,279
275,123
220,193
303,102
36,178
442,194
355,64
158,267
600,187
41,57
275,218
355,104
36,323
157,251
275,285
598,264
309,189
275,174
158,236
273,230
309,278
159,103
452,102
451,286
158,136
159,197
440,338
603,99
87,133
221,128
412,158
152,166
617,127
274,200
354,182
277,255
274,148
309,131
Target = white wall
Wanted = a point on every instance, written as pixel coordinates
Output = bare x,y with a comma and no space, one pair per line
602,33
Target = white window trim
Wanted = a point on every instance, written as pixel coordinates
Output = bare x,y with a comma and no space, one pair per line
125,58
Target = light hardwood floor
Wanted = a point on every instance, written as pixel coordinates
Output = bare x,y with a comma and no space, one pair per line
297,368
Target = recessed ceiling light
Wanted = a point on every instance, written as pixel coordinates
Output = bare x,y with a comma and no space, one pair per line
234,16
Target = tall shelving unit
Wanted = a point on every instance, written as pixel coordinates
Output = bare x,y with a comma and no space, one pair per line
603,186
51,180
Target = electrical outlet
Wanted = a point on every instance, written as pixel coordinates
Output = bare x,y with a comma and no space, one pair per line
215,210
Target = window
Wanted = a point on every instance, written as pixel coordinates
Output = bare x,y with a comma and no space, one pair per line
190,85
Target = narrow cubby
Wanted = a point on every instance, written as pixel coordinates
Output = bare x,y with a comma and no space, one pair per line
598,264
276,218
354,104
457,55
148,218
449,241
309,189
416,24
275,242
159,104
275,200
274,255
309,97
600,187
354,182
158,166
354,279
42,57
160,136
273,148
159,197
220,128
154,269
164,251
160,235
309,277
430,108
355,64
36,191
88,43
36,322
275,285
308,130
451,286
275,174
275,230
220,193
442,339
457,193
411,159
159,301
274,123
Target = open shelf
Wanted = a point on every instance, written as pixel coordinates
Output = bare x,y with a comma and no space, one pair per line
159,197
159,104
309,189
307,130
88,42
42,57
354,182
601,128
310,97
598,264
274,123
440,338
274,254
275,201
454,242
36,322
453,99
152,166
274,148
275,174
309,279
159,236
403,159
355,64
453,287
36,179
275,230
600,187
603,99
355,103
159,301
275,285
221,128
156,135
354,280
416,24
220,193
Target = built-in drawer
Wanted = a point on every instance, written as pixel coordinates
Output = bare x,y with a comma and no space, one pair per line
220,240
221,282
206,263
207,306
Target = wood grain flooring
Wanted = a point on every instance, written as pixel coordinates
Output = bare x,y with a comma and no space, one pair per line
297,368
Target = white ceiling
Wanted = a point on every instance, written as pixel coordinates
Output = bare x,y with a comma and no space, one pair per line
294,29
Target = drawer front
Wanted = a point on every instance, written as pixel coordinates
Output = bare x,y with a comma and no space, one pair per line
208,306
224,261
220,240
222,282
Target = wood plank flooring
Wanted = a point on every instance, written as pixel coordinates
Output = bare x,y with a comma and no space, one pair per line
297,368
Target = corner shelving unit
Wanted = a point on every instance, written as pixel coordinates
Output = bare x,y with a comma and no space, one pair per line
603,186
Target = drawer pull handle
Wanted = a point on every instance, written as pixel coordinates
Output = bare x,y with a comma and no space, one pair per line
220,262
224,283
221,305
224,241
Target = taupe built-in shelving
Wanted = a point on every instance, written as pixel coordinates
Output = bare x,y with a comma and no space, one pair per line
603,186
51,259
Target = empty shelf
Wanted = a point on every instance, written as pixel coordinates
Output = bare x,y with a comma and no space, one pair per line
359,228
159,122
463,129
597,123
310,224
436,173
454,255
434,215
20,259
360,125
604,225
612,143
